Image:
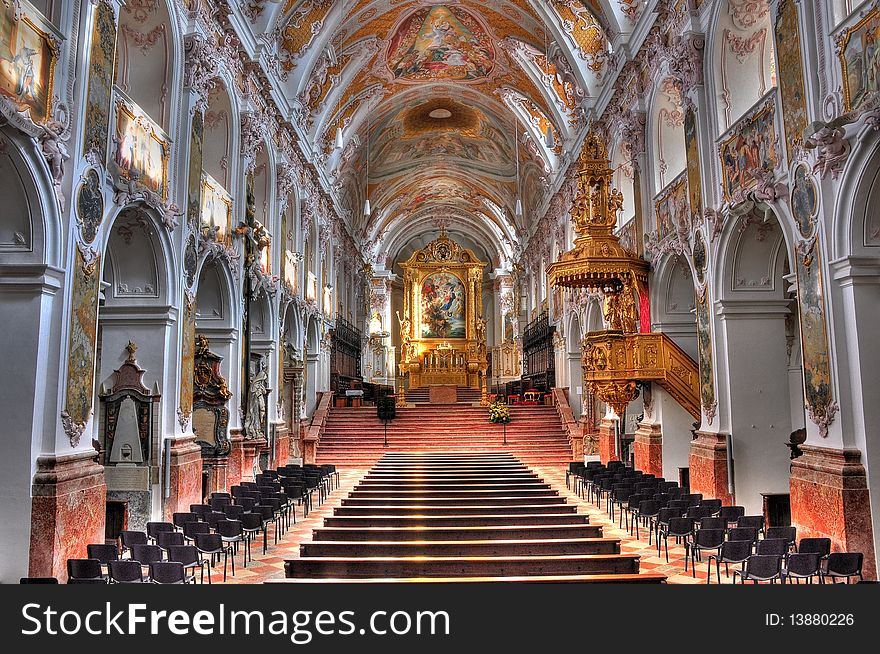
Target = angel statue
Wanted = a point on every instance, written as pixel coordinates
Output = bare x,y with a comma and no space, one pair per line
256,402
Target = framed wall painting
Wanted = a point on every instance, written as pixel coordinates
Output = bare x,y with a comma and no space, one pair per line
859,49
672,207
216,208
752,148
27,64
141,149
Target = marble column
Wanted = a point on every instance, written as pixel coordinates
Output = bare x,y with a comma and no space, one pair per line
68,511
185,478
648,449
282,446
235,470
607,440
829,498
218,470
708,466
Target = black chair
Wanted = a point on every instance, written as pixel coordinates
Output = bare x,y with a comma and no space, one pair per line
574,470
252,524
246,503
217,503
753,521
131,538
154,528
760,567
731,513
201,510
38,580
213,545
188,556
732,551
820,546
190,530
749,534
677,528
627,511
180,519
698,513
214,517
679,504
267,513
693,499
703,539
85,569
167,572
233,511
777,546
169,539
843,565
104,552
788,533
713,504
222,494
126,572
647,510
619,496
231,533
802,565
146,554
663,517
713,523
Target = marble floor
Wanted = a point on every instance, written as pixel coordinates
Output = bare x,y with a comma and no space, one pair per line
271,565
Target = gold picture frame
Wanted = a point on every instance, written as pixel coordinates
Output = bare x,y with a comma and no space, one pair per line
28,56
141,150
855,63
216,210
756,138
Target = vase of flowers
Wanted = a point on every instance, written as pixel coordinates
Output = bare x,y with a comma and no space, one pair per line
499,413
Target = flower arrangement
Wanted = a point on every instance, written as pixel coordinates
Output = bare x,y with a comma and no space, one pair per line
499,413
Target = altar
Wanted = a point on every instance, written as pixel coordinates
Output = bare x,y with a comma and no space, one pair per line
442,329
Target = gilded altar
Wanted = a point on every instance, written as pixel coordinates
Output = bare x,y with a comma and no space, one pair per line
442,329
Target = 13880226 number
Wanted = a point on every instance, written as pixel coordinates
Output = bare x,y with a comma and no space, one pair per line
821,619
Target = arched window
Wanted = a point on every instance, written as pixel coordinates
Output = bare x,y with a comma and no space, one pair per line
745,61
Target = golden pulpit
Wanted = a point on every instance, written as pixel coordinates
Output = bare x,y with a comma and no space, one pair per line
442,330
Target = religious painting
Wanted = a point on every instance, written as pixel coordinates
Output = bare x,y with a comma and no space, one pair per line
90,206
190,260
804,200
704,348
216,208
814,339
187,358
440,43
699,256
194,208
672,207
443,306
102,62
27,64
141,151
695,181
860,60
83,339
752,149
791,77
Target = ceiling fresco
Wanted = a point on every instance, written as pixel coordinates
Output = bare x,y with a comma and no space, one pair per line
461,110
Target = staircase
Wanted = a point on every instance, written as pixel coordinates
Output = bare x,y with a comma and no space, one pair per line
459,517
354,437
421,395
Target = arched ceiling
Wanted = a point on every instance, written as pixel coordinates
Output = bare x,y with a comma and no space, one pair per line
444,107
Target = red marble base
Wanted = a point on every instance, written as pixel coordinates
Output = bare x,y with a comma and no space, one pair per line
185,477
829,498
708,467
250,457
218,472
607,438
282,446
648,449
234,468
68,511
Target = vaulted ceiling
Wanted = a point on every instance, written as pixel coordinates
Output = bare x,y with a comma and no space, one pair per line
449,111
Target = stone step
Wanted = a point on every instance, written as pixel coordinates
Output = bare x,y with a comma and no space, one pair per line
410,486
363,522
421,532
473,548
419,500
521,508
641,578
430,493
456,566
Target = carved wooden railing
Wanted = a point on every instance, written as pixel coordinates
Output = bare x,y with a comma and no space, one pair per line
614,362
316,428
